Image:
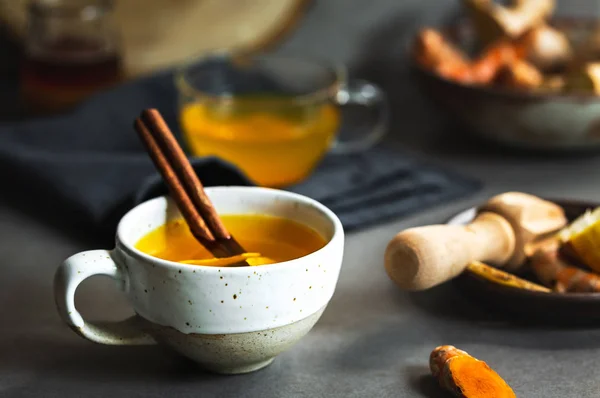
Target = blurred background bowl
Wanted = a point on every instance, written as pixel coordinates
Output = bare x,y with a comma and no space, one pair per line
527,120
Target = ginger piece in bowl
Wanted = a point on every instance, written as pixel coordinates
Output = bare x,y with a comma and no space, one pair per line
554,272
494,21
434,52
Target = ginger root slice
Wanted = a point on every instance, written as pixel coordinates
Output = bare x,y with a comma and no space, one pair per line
557,274
504,278
493,21
466,376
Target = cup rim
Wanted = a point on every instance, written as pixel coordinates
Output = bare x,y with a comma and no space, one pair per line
338,233
322,94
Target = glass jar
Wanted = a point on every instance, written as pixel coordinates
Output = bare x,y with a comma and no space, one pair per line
71,50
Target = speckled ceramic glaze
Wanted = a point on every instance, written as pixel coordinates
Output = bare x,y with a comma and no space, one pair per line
229,320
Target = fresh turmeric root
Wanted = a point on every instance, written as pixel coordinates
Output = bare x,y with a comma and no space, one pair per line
465,376
555,273
434,52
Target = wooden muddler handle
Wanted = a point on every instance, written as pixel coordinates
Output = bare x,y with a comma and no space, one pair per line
423,257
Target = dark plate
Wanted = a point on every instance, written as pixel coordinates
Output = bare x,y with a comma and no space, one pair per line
529,306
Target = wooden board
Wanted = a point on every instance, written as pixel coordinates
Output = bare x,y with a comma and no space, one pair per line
160,33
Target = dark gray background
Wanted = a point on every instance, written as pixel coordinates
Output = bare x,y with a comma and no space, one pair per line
373,340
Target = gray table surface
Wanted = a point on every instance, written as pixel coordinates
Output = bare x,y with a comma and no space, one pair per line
372,341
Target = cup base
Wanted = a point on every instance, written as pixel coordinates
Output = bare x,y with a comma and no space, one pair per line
237,370
234,353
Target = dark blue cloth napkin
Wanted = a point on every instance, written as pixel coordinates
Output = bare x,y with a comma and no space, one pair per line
89,166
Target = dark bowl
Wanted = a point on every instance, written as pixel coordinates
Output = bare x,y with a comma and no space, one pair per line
571,309
527,120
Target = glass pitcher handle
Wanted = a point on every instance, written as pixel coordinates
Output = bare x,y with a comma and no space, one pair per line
364,93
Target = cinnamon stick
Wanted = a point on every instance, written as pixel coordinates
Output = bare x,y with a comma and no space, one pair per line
184,186
170,147
191,215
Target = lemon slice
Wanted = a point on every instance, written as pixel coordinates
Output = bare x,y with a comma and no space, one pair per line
583,237
255,261
222,262
252,259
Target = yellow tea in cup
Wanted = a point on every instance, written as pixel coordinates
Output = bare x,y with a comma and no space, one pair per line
274,142
275,238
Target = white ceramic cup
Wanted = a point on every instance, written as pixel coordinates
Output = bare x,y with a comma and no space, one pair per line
229,320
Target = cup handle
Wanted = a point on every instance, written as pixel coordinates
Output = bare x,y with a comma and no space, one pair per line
69,275
362,92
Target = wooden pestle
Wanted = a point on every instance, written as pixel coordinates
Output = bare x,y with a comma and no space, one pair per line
505,226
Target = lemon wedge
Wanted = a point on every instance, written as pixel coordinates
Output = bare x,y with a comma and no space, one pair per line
583,238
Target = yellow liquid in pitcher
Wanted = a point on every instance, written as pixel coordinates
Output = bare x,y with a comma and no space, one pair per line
273,140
